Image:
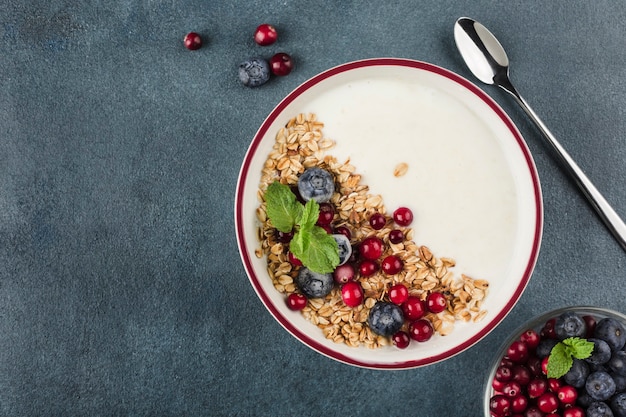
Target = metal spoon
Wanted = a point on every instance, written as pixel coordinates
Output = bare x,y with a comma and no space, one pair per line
488,61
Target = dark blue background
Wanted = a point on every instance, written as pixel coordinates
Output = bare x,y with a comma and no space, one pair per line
121,287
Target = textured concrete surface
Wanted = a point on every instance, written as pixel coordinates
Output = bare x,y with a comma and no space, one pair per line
121,288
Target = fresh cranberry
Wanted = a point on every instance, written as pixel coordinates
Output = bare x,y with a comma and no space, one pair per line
504,373
436,302
377,221
327,213
534,366
355,257
497,386
421,330
367,268
533,411
293,260
544,365
537,387
547,331
398,294
265,34
396,236
519,404
530,338
371,248
343,230
512,389
548,402
192,41
517,352
281,64
413,308
296,301
344,273
500,405
574,411
507,362
391,265
554,384
403,216
352,294
401,339
567,394
521,374
284,237
590,322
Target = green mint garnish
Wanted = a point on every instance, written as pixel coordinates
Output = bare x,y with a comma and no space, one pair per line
563,353
316,249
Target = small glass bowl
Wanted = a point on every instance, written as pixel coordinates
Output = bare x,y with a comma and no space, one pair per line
537,324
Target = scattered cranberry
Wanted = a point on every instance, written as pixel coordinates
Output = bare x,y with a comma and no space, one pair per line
544,365
497,386
401,339
293,260
371,248
391,265
547,402
567,394
265,34
574,411
534,366
547,331
521,374
344,273
537,387
590,322
396,236
343,230
436,302
296,301
368,268
512,389
283,237
519,404
413,308
530,338
533,411
398,294
403,216
504,373
281,64
327,213
377,221
517,352
421,330
500,405
554,384
352,294
192,41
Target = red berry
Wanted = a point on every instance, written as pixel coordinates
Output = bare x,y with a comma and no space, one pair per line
534,366
554,384
403,216
512,389
265,34
519,404
521,374
343,230
547,402
352,294
344,273
371,248
574,411
396,236
436,302
504,373
537,387
413,308
517,352
421,330
567,394
590,322
391,265
530,338
293,260
547,331
377,221
544,365
192,41
497,386
284,237
296,301
500,405
533,411
368,268
327,213
281,64
398,294
401,339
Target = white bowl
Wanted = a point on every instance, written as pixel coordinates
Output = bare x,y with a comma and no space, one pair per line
472,183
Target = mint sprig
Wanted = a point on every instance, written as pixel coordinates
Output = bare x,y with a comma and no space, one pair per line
563,353
316,249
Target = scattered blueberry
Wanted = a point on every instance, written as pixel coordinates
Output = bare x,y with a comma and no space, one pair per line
618,405
385,318
599,409
313,284
600,386
601,352
612,332
345,248
620,382
577,374
545,347
254,72
617,363
569,324
316,184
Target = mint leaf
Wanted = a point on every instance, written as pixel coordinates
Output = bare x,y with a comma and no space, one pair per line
562,354
316,249
282,207
309,216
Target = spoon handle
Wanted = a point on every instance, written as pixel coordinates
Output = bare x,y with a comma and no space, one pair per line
611,219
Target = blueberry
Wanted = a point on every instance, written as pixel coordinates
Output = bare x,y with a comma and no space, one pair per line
600,386
620,382
545,347
601,352
612,332
316,184
569,324
313,284
584,400
617,363
345,248
254,72
577,375
599,409
618,405
385,318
